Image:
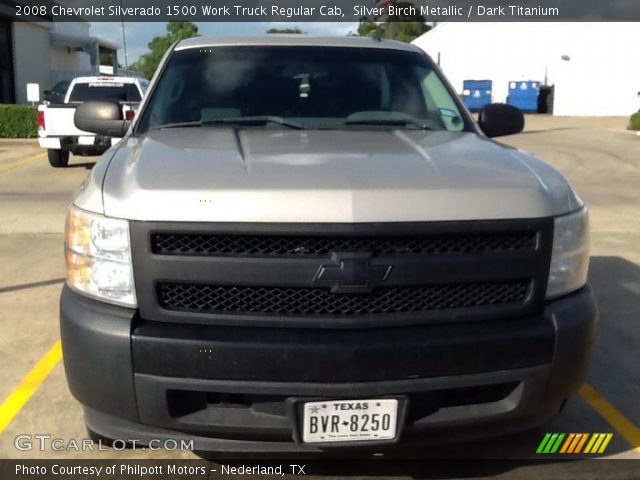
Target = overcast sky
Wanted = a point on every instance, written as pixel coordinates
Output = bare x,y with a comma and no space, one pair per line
138,34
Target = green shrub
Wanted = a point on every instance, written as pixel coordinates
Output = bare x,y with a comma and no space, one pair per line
18,121
634,121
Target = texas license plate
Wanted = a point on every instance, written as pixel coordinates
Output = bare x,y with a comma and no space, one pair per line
86,140
349,420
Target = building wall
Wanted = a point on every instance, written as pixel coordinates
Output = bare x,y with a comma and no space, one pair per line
31,57
485,51
63,58
600,74
72,28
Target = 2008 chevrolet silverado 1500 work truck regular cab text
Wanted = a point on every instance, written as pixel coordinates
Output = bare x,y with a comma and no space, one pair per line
308,244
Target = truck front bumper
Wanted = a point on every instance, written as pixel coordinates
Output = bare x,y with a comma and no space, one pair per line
232,388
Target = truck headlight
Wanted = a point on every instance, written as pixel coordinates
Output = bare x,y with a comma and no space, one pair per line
570,257
98,257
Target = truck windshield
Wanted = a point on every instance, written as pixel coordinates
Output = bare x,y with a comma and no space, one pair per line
315,87
104,91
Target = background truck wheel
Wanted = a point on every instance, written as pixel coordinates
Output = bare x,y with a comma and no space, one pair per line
58,158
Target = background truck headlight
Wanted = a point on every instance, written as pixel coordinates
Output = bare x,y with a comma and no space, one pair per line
98,257
570,257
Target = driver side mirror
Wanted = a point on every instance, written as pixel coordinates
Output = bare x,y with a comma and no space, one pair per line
498,119
102,118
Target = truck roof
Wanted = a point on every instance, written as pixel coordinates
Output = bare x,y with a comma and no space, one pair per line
296,40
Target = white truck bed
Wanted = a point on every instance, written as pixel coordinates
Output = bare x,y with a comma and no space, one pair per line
58,130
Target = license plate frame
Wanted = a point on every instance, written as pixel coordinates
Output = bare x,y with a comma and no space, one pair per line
297,411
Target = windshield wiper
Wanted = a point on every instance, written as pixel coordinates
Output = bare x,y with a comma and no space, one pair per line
177,125
257,120
249,121
400,122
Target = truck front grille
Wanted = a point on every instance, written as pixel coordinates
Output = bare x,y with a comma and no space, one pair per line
340,275
321,301
191,244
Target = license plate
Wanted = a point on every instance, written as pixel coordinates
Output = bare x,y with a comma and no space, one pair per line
349,420
86,140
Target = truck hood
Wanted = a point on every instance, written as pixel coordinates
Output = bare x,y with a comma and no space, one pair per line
263,175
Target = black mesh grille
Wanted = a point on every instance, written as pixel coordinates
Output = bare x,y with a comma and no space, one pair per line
309,245
321,301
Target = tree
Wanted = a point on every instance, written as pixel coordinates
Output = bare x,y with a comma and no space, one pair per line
148,62
404,28
285,30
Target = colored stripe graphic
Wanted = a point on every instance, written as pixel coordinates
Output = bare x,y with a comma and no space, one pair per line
606,441
556,445
590,444
581,443
598,443
550,443
543,443
567,443
576,439
574,443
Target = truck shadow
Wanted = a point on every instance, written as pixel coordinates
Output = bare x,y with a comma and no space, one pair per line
544,130
83,161
87,165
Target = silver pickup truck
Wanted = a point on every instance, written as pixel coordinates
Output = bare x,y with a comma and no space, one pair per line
307,244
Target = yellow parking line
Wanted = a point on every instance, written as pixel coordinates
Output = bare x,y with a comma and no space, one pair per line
11,166
29,384
612,415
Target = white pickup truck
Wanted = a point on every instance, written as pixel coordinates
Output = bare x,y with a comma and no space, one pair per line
56,130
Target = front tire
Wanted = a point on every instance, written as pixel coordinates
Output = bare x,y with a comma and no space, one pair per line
58,158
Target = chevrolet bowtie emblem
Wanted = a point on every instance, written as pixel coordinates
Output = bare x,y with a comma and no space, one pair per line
352,272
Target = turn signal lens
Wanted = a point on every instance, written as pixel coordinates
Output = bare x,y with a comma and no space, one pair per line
570,257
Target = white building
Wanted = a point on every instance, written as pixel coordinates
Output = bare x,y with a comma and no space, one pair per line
593,67
47,52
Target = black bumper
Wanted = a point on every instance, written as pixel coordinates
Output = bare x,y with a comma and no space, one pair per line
232,388
72,144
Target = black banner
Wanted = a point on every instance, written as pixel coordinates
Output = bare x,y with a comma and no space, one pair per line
298,468
319,11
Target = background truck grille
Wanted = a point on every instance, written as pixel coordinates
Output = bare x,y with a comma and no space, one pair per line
321,301
190,244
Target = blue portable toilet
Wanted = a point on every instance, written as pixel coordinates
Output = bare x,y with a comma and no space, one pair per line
476,93
523,94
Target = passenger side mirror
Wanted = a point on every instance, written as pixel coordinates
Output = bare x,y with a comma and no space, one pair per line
101,118
498,119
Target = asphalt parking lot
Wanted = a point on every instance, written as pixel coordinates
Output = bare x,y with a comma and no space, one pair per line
600,158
